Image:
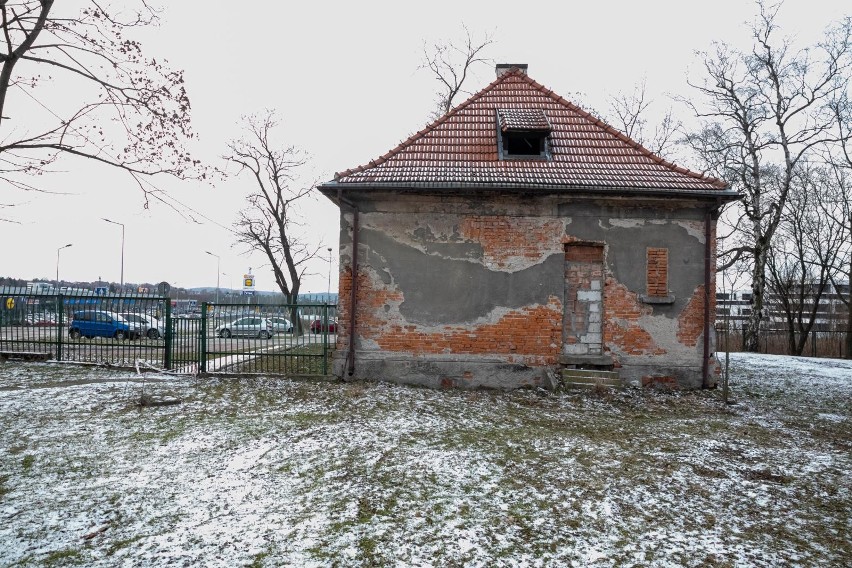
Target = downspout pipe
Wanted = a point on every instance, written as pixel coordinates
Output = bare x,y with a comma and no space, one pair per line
709,218
350,355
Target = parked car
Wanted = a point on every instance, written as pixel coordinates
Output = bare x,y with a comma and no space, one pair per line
281,325
145,325
41,320
98,323
317,326
248,326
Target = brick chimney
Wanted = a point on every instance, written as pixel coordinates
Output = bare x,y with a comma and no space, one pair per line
502,68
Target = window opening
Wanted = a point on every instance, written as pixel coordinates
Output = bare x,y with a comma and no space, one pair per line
523,134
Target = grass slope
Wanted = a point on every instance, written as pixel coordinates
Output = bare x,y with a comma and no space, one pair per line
268,472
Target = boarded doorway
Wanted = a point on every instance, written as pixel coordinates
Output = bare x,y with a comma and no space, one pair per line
582,324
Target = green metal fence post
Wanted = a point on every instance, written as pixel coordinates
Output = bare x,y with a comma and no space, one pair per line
167,356
202,356
59,327
325,339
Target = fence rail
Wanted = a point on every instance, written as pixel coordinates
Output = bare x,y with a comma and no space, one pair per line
830,344
124,331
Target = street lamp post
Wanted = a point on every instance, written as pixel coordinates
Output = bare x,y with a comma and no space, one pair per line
218,272
328,292
57,261
122,250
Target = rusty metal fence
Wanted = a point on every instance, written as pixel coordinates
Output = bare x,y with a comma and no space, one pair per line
133,330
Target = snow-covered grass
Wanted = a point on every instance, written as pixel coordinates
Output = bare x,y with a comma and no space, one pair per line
271,472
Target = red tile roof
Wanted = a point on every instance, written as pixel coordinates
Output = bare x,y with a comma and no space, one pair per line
460,149
523,120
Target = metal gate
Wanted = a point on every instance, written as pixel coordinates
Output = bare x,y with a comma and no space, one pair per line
284,339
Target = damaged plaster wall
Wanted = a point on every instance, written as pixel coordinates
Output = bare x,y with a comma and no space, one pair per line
456,291
652,342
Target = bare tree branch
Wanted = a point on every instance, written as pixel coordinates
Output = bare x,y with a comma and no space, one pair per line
271,223
629,114
804,255
134,113
765,114
450,64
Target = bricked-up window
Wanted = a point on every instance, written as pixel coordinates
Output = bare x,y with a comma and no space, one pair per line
658,272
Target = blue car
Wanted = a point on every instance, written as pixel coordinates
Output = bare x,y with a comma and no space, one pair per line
97,323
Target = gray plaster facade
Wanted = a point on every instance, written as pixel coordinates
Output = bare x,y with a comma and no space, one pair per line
470,291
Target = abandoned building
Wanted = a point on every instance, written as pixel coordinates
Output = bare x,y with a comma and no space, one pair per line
518,236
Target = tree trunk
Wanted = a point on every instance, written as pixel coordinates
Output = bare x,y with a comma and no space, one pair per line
15,55
849,315
751,339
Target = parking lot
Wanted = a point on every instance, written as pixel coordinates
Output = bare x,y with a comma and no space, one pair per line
285,339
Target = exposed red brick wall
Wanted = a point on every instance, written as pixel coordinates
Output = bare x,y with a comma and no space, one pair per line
531,335
655,381
657,271
533,331
621,327
343,298
370,301
690,322
584,253
504,238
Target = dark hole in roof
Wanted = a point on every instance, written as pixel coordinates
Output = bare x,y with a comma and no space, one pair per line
518,145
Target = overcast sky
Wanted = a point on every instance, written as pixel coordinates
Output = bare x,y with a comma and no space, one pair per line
344,78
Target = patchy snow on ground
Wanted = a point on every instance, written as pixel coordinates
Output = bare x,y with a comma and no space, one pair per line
270,472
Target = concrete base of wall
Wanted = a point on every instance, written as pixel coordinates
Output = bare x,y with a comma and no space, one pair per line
661,376
471,372
465,372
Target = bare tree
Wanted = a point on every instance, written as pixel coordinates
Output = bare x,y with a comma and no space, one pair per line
839,206
271,223
629,114
450,64
803,257
132,112
764,113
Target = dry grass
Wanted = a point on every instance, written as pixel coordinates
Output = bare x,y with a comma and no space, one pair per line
267,471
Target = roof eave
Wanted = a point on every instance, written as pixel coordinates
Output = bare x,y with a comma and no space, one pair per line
331,188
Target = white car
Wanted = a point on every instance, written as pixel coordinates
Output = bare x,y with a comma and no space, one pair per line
281,325
145,325
250,326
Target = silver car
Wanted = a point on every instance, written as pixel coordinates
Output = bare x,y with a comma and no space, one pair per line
250,326
145,325
281,325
